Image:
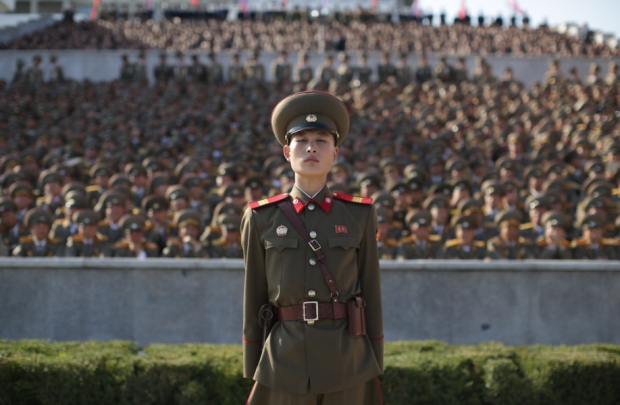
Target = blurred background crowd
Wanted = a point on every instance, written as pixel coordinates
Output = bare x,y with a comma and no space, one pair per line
460,163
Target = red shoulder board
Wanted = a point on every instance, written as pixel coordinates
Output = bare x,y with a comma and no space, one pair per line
267,201
352,198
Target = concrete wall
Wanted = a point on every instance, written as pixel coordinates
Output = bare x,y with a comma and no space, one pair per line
105,65
175,301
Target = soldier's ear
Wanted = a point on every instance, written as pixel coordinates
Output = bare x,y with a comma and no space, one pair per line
286,151
336,153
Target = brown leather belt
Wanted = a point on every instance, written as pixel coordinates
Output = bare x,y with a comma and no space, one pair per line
311,311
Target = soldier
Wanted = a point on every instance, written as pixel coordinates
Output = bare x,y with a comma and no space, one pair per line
553,244
303,70
11,230
423,72
228,245
314,302
113,205
51,182
362,70
186,245
20,75
134,244
536,208
87,242
326,72
493,193
180,68
344,72
160,225
281,69
464,246
22,195
385,69
254,69
215,70
141,69
508,244
439,208
4,251
56,72
100,175
35,73
592,245
386,243
420,244
128,72
236,72
38,243
163,72
64,227
403,70
197,72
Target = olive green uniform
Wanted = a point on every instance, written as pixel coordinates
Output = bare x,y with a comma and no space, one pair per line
498,248
29,248
281,269
98,247
412,248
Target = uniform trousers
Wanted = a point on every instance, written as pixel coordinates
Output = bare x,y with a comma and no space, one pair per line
365,394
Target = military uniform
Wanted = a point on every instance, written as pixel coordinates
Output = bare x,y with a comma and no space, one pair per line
543,249
386,69
603,249
30,246
79,246
458,249
186,246
10,232
499,247
411,247
226,246
126,248
281,69
304,358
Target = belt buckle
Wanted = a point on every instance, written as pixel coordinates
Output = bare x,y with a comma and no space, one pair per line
316,314
314,245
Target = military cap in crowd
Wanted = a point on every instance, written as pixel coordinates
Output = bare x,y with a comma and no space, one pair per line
191,181
508,218
434,159
383,215
7,204
187,217
340,167
135,169
594,166
592,221
438,201
48,176
110,198
370,179
156,182
120,180
233,190
227,169
553,219
177,191
231,223
510,185
468,207
21,189
400,188
37,215
328,113
131,223
154,165
533,171
443,189
506,163
101,170
533,202
414,171
462,182
599,189
154,202
254,183
383,199
463,222
73,186
86,217
415,184
456,164
77,200
597,203
284,170
492,187
225,208
419,218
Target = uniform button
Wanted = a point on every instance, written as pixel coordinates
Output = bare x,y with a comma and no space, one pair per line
311,293
328,200
312,234
312,262
311,207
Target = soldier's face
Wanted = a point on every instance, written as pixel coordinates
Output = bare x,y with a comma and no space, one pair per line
40,230
311,153
88,231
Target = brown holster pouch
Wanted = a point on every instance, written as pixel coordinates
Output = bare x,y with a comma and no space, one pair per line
357,317
266,320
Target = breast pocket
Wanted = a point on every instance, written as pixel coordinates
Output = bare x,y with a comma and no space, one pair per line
281,254
342,259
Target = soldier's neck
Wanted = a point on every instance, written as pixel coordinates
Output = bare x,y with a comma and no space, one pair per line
310,186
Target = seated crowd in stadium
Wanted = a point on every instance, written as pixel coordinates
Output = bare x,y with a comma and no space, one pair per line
460,164
350,34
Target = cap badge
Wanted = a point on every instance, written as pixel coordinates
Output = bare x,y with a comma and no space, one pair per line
282,230
341,229
311,118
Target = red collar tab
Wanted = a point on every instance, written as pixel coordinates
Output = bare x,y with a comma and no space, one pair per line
326,205
353,198
267,201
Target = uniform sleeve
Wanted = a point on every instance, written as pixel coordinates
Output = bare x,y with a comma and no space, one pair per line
254,292
370,282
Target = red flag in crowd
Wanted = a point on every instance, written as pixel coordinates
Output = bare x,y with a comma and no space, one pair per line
415,8
374,3
94,9
194,3
515,7
243,6
462,11
149,4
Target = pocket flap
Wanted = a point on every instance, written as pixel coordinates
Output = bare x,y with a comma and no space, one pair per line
345,242
281,243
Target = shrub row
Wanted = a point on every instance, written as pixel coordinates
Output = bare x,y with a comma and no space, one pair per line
77,373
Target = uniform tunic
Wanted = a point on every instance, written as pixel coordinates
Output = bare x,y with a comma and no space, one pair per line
280,268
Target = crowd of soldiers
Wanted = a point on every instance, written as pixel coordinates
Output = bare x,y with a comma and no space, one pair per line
459,164
355,36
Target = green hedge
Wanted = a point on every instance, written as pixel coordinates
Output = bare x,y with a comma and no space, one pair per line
36,372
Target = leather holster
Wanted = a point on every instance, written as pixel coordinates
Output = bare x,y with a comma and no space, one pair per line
357,317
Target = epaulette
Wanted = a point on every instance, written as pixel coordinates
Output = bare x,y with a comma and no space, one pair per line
103,222
523,241
611,241
40,200
101,238
541,242
59,222
392,242
55,241
26,239
525,227
151,246
407,239
267,201
397,224
565,243
352,198
497,241
578,242
148,226
92,188
480,243
75,238
615,191
452,242
122,244
434,238
217,242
